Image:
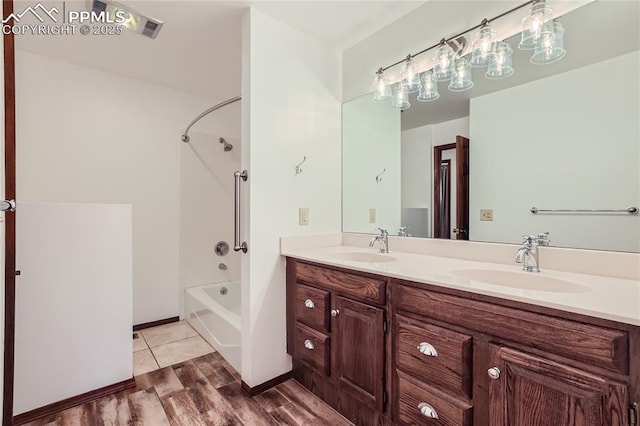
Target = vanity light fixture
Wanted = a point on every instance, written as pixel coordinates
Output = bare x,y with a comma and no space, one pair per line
537,21
541,33
429,87
444,57
501,67
482,45
550,45
461,79
400,97
410,77
381,87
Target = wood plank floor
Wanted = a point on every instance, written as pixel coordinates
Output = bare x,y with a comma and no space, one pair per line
202,391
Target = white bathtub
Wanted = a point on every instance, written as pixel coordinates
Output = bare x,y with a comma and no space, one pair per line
216,316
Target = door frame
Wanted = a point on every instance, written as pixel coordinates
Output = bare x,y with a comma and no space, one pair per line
437,160
461,146
10,219
437,200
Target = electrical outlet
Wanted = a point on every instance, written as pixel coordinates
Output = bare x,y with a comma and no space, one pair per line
303,216
372,215
486,215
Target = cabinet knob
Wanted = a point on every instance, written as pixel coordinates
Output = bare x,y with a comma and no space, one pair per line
308,344
494,373
309,304
427,349
427,410
335,312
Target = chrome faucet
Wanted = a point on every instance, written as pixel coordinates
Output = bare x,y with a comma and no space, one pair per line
383,239
528,253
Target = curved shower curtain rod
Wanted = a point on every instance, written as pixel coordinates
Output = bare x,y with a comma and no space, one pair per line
185,136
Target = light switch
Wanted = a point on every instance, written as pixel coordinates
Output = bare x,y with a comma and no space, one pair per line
486,215
372,215
303,216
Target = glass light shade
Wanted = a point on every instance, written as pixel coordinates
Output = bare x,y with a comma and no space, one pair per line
461,79
481,46
381,88
429,88
444,58
410,77
550,46
537,21
500,66
400,98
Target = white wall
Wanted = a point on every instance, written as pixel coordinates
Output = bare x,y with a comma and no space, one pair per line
206,208
85,136
371,144
577,122
73,301
291,109
417,163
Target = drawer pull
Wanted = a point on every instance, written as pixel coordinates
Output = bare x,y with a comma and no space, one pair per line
308,344
494,373
309,304
427,410
427,349
335,312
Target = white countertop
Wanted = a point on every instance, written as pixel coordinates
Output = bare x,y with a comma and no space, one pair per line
597,296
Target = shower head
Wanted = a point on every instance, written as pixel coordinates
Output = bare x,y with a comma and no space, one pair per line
226,145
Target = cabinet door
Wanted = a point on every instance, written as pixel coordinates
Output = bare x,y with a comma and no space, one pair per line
359,350
533,391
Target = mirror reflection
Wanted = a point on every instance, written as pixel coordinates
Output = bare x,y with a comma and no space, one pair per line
473,165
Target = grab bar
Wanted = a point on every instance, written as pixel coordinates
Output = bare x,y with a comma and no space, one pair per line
630,210
237,245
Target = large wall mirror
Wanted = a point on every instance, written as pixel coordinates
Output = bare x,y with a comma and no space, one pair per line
563,136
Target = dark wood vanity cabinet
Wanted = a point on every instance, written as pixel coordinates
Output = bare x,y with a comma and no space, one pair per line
534,390
455,358
510,364
336,335
359,350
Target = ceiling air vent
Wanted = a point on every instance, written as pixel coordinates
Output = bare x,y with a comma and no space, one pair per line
111,11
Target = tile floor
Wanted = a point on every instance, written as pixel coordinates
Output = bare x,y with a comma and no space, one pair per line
166,345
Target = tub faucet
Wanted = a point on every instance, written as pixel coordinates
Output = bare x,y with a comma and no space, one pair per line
383,239
528,253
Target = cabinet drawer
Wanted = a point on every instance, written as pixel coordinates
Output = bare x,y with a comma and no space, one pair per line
414,397
313,347
590,344
356,286
434,355
312,307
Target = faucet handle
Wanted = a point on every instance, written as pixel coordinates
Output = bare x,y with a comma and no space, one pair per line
528,239
382,231
543,239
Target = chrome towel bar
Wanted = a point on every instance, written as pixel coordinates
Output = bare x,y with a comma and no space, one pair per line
630,210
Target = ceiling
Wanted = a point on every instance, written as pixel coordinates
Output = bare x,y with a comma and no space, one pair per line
198,49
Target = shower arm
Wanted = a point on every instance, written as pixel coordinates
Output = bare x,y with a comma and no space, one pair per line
185,136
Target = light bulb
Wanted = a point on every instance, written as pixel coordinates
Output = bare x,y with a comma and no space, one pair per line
381,89
410,78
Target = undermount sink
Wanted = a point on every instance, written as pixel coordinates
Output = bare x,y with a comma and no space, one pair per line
364,257
521,280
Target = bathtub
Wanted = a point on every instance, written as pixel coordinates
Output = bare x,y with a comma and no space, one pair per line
214,311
